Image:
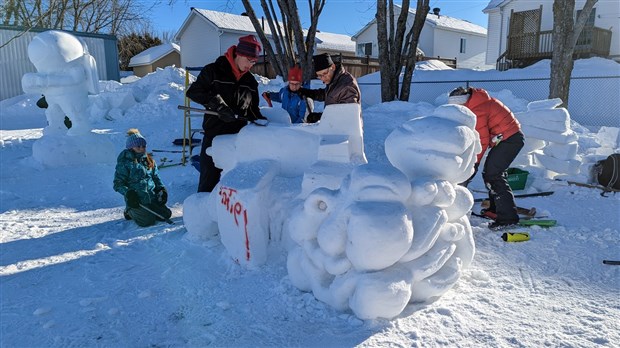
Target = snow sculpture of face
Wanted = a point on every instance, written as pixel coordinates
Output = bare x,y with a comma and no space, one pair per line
442,146
52,50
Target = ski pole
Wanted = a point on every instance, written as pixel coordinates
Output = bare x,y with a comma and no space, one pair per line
611,262
546,193
154,213
214,113
204,111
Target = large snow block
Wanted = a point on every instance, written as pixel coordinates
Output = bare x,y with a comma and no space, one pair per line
570,167
243,225
342,119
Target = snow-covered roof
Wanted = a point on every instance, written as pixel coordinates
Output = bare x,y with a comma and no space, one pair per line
494,4
242,24
150,55
229,21
441,21
334,42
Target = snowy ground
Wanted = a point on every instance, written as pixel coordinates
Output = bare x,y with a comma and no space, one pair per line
74,273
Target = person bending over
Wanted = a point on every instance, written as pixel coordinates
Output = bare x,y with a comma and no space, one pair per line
501,133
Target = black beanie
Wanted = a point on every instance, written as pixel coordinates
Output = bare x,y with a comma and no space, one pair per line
322,61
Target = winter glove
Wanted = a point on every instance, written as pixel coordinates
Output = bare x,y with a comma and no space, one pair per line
225,113
313,117
132,199
162,195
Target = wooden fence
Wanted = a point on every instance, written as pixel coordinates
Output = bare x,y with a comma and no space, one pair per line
357,66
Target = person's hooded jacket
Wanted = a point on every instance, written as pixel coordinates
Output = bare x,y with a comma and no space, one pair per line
133,173
492,118
238,89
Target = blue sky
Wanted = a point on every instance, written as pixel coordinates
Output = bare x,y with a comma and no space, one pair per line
339,16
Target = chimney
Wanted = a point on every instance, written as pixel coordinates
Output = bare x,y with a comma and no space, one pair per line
436,11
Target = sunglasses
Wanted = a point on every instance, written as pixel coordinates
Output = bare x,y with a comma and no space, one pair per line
295,83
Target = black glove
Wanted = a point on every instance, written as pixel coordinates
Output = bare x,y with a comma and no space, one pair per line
313,117
132,199
303,92
225,113
162,195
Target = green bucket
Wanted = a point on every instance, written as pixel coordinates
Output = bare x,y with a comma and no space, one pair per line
517,178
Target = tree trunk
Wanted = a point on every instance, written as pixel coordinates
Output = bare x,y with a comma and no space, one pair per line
288,35
413,38
390,46
565,35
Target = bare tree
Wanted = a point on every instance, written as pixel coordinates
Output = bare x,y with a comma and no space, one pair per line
94,16
394,46
411,46
287,33
565,34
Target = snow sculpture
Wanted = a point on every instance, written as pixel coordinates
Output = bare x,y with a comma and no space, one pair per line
253,158
549,141
361,237
66,73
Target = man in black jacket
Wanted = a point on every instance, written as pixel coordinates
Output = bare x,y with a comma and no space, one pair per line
227,87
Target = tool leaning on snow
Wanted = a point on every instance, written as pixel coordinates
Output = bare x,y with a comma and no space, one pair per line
258,122
156,214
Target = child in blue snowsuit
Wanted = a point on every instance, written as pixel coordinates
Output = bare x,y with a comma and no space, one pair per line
297,106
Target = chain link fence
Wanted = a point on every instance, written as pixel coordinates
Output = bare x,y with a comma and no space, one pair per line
592,102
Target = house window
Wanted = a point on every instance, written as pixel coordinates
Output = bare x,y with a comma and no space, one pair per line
463,45
590,20
364,49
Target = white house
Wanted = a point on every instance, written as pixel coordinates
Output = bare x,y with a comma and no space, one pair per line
528,25
441,36
206,35
155,57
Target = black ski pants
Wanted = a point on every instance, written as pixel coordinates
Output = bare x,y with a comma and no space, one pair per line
209,173
496,178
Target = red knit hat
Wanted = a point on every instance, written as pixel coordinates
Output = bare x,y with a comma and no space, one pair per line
294,74
249,47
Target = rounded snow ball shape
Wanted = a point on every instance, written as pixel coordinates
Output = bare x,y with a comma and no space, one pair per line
382,294
462,203
52,49
379,234
373,182
296,274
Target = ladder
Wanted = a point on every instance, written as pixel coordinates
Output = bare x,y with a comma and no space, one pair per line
188,144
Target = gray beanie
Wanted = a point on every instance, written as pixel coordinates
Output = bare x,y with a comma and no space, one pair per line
134,139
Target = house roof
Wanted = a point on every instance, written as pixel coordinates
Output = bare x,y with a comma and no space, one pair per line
150,55
494,4
334,42
242,24
441,21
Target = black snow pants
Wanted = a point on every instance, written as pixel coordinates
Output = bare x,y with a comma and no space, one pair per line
496,178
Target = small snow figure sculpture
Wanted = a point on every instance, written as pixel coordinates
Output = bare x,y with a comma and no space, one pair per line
66,74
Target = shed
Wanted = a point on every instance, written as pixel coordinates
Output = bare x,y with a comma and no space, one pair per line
14,62
155,57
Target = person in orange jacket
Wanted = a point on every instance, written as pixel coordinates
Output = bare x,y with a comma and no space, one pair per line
501,132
